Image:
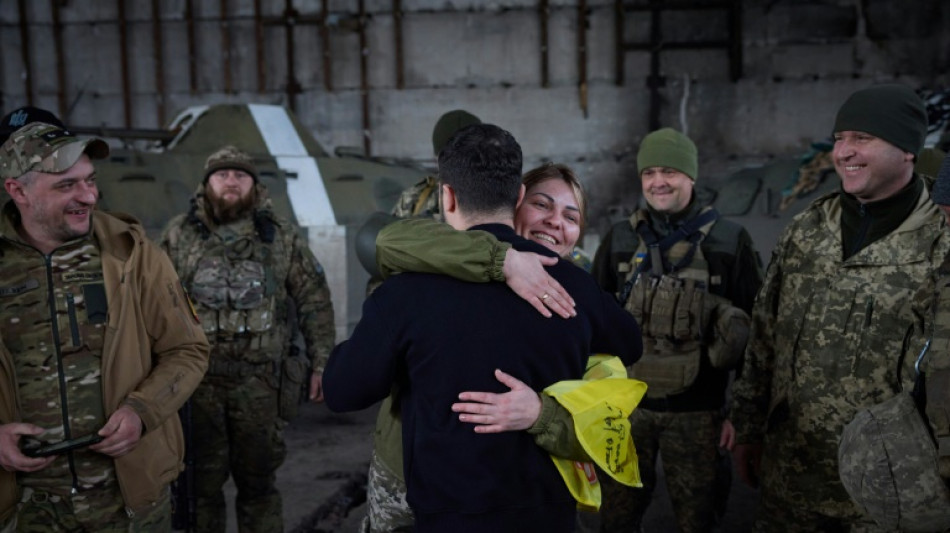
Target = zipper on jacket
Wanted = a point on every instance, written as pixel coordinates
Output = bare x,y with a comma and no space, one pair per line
862,234
64,406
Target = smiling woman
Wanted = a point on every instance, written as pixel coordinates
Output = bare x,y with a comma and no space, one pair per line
554,207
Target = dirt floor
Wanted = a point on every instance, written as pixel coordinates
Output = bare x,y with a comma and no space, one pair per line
323,479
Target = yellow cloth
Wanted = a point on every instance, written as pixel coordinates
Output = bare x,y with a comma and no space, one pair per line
600,405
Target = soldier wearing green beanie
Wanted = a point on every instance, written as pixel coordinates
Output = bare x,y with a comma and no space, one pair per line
673,252
829,323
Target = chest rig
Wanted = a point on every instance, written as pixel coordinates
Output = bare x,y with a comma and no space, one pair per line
234,280
667,291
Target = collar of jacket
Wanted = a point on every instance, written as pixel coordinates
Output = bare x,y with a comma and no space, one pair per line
865,223
664,223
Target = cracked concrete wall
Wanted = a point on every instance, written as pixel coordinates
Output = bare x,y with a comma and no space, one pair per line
800,59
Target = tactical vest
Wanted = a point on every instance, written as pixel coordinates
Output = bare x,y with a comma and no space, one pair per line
234,285
667,291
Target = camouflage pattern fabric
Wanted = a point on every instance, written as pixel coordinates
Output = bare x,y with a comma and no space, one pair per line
688,463
826,339
237,432
75,271
45,148
100,510
774,516
420,200
237,429
291,272
387,509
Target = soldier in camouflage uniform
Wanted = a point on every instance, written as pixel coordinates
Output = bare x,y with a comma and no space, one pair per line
98,338
827,327
676,263
246,269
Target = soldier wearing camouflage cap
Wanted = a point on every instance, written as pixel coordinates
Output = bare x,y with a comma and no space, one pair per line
97,341
689,278
246,268
828,327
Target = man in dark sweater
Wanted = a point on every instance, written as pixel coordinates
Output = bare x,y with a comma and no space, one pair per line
434,337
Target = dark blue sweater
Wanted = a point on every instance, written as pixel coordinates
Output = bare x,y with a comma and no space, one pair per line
435,337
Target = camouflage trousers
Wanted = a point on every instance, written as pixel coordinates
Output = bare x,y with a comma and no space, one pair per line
388,511
237,432
689,444
777,516
782,509
99,510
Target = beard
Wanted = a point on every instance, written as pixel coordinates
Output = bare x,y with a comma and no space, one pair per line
226,210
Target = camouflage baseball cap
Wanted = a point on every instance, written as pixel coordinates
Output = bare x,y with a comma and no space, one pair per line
45,148
230,157
887,462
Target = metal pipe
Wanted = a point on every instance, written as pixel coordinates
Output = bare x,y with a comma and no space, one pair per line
325,40
192,46
655,80
60,63
159,62
543,14
293,88
364,78
582,54
25,52
258,48
397,31
226,48
124,51
735,38
619,25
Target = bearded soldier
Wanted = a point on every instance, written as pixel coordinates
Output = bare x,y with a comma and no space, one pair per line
247,269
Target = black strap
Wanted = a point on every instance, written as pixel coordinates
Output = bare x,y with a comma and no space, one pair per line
656,261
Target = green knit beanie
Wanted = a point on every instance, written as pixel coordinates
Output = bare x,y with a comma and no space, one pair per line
668,148
448,124
890,112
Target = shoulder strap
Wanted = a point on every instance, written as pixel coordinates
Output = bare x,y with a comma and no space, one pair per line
424,195
693,231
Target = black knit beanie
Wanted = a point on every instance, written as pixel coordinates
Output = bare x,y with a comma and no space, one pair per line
891,112
941,193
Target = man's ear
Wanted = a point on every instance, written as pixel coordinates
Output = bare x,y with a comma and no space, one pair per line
449,201
521,193
15,189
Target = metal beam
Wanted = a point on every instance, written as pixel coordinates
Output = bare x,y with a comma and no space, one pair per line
61,81
124,51
157,41
25,52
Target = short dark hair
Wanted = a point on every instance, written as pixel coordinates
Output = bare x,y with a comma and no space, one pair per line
482,163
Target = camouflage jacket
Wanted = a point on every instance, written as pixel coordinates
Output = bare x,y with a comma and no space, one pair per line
929,315
154,355
292,272
420,200
827,336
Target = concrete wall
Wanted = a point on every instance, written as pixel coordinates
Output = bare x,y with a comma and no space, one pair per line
800,60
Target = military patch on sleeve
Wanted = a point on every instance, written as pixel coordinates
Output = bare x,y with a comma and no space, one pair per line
20,288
